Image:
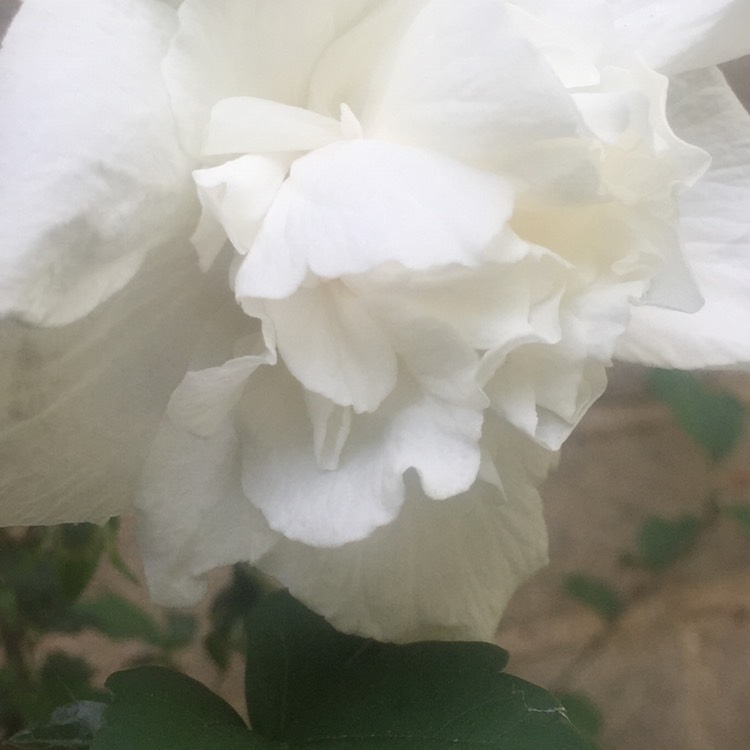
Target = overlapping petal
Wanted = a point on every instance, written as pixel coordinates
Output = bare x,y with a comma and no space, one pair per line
327,218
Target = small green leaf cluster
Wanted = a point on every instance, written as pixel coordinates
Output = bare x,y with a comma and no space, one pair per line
309,685
43,575
713,419
716,421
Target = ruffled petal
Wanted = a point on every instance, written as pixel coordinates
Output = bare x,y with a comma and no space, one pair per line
681,35
91,175
328,217
442,569
305,501
79,404
282,477
716,232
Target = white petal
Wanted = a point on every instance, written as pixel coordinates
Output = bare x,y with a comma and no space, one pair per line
79,404
355,67
281,475
245,124
464,84
91,176
681,35
204,398
716,231
357,205
545,387
334,346
412,429
441,570
236,196
192,515
572,36
490,307
268,50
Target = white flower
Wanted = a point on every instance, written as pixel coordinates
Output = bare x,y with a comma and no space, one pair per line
441,219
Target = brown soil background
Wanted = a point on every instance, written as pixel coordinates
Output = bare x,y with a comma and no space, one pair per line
675,670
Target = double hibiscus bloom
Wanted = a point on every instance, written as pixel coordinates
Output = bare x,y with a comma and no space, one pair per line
323,285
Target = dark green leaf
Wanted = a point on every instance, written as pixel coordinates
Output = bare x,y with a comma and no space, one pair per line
740,513
31,573
156,709
582,712
308,685
713,419
662,541
595,593
71,726
119,619
8,607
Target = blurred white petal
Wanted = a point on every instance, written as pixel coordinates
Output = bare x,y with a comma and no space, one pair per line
79,404
91,177
716,232
681,35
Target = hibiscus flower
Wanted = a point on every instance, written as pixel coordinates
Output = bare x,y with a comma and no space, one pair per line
323,285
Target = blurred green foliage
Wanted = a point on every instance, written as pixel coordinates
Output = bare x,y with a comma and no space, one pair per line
44,572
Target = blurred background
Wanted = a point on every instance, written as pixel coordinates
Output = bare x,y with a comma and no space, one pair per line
641,623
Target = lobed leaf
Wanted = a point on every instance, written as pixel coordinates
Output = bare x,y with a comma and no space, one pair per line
310,685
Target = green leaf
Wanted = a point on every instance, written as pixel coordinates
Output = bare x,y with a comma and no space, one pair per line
582,712
662,541
156,709
714,420
740,513
595,593
8,606
119,619
77,552
308,685
30,572
71,726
